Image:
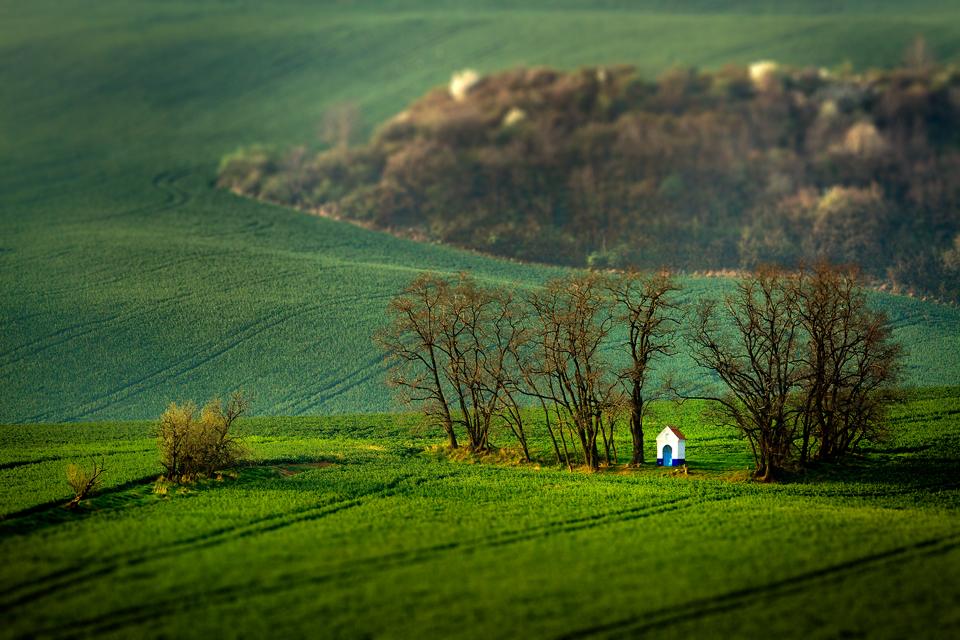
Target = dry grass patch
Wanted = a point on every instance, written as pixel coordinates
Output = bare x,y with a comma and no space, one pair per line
506,456
287,470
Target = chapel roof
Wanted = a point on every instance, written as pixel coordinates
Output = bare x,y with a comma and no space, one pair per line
676,432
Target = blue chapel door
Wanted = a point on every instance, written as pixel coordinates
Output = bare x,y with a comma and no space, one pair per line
667,455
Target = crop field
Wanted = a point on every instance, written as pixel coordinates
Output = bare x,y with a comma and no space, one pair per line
127,281
347,527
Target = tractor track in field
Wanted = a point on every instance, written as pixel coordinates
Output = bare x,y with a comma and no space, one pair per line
325,393
96,283
12,523
73,576
300,402
796,34
79,330
135,271
650,621
64,458
180,368
358,571
175,197
26,463
348,572
165,182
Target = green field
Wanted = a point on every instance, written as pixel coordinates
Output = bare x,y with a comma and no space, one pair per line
392,542
128,281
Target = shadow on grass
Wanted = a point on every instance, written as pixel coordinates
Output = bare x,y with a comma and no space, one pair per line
53,513
894,474
138,492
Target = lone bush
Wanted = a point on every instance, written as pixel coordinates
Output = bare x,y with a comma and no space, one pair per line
196,442
84,481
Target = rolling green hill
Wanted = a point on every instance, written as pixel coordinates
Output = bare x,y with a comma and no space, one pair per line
126,280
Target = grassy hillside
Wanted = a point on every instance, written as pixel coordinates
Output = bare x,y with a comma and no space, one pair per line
126,281
391,542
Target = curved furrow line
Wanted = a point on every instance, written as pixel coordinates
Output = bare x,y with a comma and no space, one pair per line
126,391
155,267
72,576
64,458
316,399
81,330
414,51
778,37
348,572
165,181
639,624
295,403
92,282
129,317
27,463
41,257
258,224
39,345
20,352
130,273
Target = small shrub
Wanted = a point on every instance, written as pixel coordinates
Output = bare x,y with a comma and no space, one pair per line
84,481
196,442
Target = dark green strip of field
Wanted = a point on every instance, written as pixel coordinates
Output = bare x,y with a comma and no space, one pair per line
127,281
347,528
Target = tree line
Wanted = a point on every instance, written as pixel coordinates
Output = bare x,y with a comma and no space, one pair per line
601,167
806,370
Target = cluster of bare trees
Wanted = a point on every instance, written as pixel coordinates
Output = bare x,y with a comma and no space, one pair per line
470,356
809,367
806,364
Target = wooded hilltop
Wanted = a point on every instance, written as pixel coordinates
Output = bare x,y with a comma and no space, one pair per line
695,170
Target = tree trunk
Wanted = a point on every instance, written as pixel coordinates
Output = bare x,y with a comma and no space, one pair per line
591,457
556,447
805,447
452,435
769,473
606,441
636,427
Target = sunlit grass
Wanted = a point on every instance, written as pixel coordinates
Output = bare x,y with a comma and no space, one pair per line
395,538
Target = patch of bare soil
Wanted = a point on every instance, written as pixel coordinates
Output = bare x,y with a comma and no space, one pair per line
288,470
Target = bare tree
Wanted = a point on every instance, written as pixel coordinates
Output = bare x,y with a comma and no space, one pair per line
850,363
476,341
752,341
532,381
341,124
644,307
510,343
572,320
411,341
453,343
918,55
